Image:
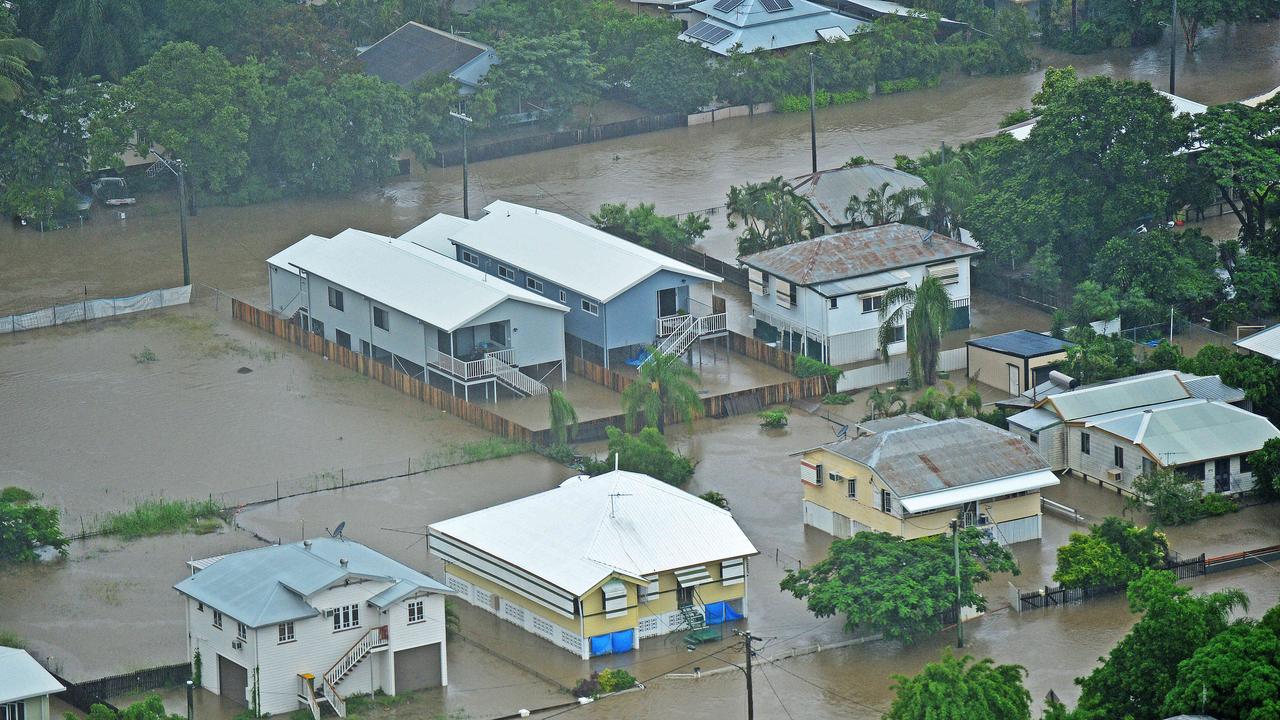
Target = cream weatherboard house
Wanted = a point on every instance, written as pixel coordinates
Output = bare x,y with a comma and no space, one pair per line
290,627
598,564
913,480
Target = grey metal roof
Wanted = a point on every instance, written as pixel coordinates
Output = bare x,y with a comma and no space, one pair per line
1264,342
270,585
945,454
855,253
828,191
875,281
1035,419
21,677
1211,387
414,51
1022,343
1191,431
1138,391
894,423
755,28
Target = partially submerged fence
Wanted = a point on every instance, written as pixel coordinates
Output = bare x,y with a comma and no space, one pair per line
82,696
897,369
561,138
95,309
1050,596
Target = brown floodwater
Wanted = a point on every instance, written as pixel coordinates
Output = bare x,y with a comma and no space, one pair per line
680,170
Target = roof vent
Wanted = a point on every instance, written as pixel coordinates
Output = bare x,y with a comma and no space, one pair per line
306,544
342,562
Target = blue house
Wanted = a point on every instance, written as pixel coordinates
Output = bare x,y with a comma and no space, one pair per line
621,297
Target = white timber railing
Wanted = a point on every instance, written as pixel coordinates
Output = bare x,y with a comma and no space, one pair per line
671,324
376,637
688,331
306,683
511,376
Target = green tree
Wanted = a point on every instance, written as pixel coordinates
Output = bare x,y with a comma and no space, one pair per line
925,314
227,25
1259,377
1195,15
1234,675
434,97
293,40
1171,497
955,689
645,452
885,402
750,78
904,48
1092,302
1046,273
150,707
1095,358
25,526
1266,467
643,225
1141,669
554,72
563,417
1171,268
1257,284
665,386
15,54
1243,153
671,76
772,215
94,37
895,586
716,499
878,206
948,190
1112,554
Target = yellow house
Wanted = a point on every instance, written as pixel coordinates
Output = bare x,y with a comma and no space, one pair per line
600,563
914,480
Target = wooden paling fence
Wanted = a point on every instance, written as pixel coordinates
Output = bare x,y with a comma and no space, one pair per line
385,374
761,351
84,695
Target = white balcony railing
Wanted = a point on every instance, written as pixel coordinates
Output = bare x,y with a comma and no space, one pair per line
671,324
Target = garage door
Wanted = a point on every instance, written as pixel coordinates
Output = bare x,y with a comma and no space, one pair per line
819,517
418,668
233,680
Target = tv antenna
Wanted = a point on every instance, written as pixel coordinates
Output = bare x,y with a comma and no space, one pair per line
612,502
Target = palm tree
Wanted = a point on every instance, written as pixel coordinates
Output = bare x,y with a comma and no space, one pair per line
948,190
879,206
564,418
886,402
94,37
772,215
15,53
925,314
665,385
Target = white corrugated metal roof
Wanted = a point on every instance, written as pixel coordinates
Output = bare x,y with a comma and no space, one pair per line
1135,392
409,278
580,533
434,234
285,258
1191,431
21,677
1257,100
1264,342
1035,419
568,253
970,493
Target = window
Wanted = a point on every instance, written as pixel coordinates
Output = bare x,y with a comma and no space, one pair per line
853,487
285,632
335,299
897,333
533,284
199,607
946,273
470,258
1119,456
1035,438
347,616
757,282
835,303
1084,443
886,501
506,273
590,307
381,318
13,711
217,619
564,297
417,611
817,473
342,338
1147,466
242,631
650,591
872,303
615,599
786,294
1245,467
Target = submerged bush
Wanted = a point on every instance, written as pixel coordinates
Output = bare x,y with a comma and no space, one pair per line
159,516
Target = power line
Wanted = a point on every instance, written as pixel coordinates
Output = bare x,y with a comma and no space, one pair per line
824,688
776,696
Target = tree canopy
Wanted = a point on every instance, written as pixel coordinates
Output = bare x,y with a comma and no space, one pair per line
1113,553
959,689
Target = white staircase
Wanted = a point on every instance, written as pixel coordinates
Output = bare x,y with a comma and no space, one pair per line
685,332
510,375
377,637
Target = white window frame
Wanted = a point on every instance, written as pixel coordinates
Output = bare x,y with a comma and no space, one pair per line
342,301
346,617
417,611
876,300
615,603
386,316
506,273
564,297
16,710
886,502
785,294
833,303
948,273
534,284
217,619
470,258
1086,444
284,633
652,590
242,630
590,307
852,491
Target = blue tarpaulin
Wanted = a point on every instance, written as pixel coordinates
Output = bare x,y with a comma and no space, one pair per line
601,645
623,640
730,614
715,613
617,642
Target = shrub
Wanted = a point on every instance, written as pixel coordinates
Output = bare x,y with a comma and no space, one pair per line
808,367
588,687
1214,504
1171,497
791,103
774,419
837,399
562,453
645,452
16,495
27,526
1113,553
1015,117
716,499
615,680
144,357
848,97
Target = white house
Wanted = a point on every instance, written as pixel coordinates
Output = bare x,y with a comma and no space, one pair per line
1114,432
822,297
425,314
25,686
286,627
599,564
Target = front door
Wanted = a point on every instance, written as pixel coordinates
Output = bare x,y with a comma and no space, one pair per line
684,597
1222,475
1015,385
667,302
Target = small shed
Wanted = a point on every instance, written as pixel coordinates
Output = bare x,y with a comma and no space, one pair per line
1014,361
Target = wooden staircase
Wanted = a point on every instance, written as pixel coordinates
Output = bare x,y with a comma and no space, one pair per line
376,638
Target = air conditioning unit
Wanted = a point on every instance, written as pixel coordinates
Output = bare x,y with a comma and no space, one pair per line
1114,475
237,645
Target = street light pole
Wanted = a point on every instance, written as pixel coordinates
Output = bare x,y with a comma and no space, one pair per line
813,119
466,122
1173,44
176,168
955,540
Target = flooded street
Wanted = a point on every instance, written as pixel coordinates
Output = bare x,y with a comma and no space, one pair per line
680,170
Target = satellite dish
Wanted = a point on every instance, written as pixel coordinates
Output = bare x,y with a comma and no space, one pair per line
843,432
337,532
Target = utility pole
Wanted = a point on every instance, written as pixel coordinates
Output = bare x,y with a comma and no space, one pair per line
177,169
191,706
748,638
955,541
466,122
813,118
1173,44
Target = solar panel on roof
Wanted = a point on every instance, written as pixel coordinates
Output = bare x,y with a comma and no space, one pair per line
708,33
728,5
776,5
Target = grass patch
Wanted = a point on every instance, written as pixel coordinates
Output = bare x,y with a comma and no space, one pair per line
16,495
160,517
475,451
106,592
146,356
8,639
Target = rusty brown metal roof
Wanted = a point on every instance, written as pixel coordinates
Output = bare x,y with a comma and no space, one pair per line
857,252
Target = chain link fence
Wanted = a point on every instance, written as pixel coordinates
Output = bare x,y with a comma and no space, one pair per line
94,309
